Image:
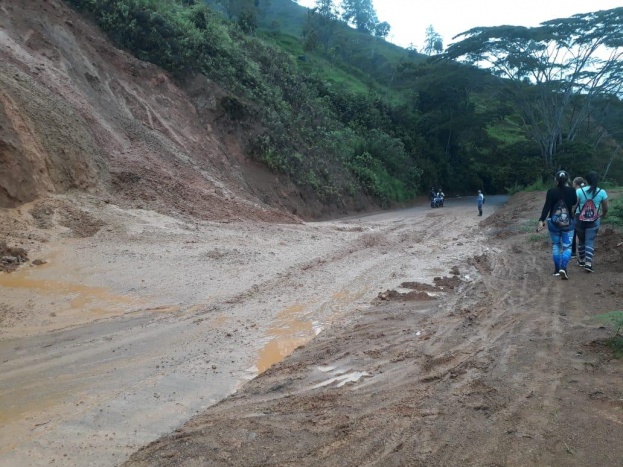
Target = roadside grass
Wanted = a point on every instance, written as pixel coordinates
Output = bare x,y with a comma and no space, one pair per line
526,227
538,185
615,343
615,208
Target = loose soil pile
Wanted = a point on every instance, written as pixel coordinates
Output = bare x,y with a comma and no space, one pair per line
11,258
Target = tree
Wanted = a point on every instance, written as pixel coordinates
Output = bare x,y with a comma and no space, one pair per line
433,42
320,26
237,9
554,72
382,29
361,14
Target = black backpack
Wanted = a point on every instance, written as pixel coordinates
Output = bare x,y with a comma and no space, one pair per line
560,214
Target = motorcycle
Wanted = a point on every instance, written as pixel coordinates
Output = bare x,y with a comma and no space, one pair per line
437,202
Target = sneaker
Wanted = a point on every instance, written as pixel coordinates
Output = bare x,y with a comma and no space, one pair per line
588,267
563,274
580,263
556,273
574,255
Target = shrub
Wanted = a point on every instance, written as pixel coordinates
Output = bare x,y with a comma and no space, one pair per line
615,342
615,212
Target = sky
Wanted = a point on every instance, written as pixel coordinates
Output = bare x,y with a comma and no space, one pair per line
409,19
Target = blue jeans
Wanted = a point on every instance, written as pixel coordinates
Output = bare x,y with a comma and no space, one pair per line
561,244
586,239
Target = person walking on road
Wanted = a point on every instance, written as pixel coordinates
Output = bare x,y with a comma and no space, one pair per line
590,200
481,201
558,209
577,183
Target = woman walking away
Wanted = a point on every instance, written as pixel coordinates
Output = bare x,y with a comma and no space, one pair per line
559,203
590,200
577,183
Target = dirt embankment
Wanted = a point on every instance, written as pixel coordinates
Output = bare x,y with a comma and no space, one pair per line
78,114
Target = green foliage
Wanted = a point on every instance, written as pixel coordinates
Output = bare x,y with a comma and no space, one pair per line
516,188
538,185
615,211
561,64
614,318
376,180
351,115
361,14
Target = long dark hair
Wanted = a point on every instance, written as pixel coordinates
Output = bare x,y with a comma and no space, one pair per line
561,178
592,178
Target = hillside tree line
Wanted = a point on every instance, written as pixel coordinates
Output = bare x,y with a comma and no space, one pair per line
357,117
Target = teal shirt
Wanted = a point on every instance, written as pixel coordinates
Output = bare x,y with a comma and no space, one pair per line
584,195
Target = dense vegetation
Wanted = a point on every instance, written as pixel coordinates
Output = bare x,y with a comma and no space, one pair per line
342,111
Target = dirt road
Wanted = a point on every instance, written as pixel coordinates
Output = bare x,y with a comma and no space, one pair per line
124,335
509,367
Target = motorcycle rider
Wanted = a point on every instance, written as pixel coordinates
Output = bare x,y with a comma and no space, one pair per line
441,195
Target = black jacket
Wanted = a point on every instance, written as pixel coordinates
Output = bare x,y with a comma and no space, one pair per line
553,195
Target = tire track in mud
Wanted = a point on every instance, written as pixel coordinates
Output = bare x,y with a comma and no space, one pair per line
361,423
124,344
471,379
506,312
363,260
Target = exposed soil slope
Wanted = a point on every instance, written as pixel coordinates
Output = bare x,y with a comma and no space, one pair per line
77,113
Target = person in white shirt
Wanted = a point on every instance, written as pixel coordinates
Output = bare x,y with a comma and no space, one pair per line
481,201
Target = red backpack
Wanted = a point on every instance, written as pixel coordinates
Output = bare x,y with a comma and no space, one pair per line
589,212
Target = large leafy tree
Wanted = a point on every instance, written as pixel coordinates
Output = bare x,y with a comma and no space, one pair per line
322,20
382,29
361,14
433,42
553,73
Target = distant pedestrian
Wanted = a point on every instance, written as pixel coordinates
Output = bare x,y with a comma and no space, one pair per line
577,183
591,200
558,209
481,201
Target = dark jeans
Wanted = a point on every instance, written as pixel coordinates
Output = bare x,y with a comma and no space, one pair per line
587,231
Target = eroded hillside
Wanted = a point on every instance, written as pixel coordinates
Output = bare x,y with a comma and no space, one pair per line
78,114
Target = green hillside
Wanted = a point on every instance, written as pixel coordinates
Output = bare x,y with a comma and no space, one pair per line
346,114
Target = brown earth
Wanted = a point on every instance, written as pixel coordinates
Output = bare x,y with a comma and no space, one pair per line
508,369
78,114
158,273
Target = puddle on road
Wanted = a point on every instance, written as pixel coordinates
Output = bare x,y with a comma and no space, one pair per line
289,331
67,297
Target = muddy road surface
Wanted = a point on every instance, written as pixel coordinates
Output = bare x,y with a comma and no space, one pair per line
476,356
122,336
